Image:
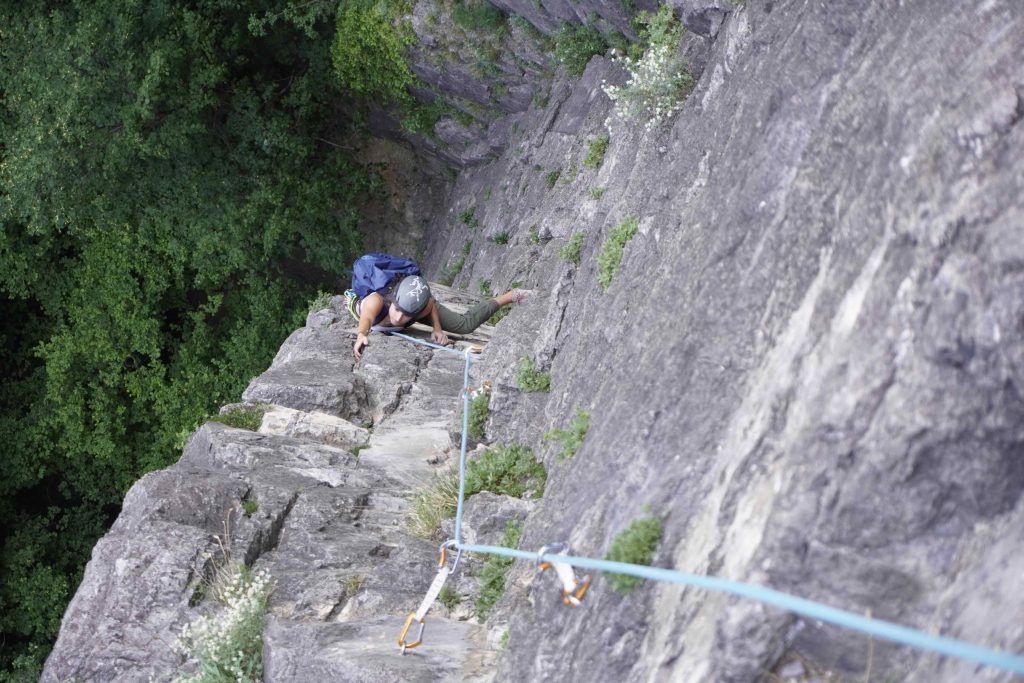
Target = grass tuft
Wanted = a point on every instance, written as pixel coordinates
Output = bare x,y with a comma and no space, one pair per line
247,417
468,217
432,504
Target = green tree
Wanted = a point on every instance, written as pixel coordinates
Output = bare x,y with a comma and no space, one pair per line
170,197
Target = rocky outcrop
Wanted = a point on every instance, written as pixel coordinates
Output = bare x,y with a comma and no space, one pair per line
808,364
316,501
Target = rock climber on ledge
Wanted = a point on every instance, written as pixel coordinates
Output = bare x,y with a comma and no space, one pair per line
388,294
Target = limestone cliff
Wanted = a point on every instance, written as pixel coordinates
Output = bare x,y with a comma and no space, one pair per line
809,363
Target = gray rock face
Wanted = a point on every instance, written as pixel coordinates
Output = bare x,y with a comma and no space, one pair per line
808,360
327,526
703,17
808,363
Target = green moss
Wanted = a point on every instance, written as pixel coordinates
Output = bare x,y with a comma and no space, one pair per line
250,506
535,233
611,251
636,545
571,438
529,378
597,192
501,238
506,470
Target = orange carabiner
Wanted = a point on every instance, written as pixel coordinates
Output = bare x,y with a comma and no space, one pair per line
570,596
573,599
444,556
405,629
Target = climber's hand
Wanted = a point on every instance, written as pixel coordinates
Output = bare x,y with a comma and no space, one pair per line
439,337
361,341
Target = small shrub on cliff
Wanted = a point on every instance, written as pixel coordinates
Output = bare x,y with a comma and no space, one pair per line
321,301
572,249
478,411
658,81
571,438
495,571
611,252
596,151
228,644
576,44
529,378
636,545
506,470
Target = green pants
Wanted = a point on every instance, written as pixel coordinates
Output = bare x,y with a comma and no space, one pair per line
464,323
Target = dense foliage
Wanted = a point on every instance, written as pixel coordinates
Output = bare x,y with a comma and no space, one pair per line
171,194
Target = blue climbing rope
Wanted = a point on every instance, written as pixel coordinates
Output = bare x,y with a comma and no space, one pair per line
809,608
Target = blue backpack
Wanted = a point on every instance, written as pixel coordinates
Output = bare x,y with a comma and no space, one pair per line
374,272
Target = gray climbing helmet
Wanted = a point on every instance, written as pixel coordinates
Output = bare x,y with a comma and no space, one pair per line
412,295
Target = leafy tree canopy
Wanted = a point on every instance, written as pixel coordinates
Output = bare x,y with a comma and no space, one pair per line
170,195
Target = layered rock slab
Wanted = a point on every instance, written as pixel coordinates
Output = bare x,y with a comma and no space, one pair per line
327,526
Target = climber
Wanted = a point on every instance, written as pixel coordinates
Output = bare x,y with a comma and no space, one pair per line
405,299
